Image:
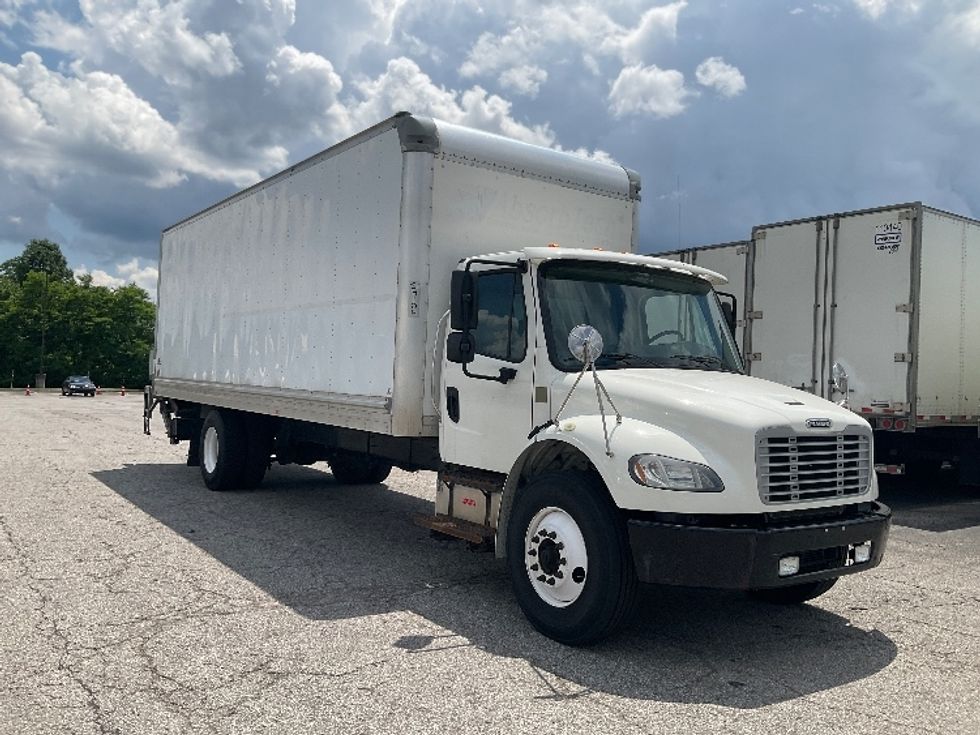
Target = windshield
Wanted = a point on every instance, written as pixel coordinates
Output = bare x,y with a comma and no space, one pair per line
647,317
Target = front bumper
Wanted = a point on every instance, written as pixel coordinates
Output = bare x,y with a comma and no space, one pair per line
672,551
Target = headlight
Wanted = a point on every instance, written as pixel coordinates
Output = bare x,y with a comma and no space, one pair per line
655,470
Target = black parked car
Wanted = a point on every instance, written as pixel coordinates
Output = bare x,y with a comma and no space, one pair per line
78,384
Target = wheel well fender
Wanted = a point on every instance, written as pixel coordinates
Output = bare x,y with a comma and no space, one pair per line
549,455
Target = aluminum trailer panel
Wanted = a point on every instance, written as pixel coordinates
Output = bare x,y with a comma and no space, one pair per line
317,294
948,350
891,293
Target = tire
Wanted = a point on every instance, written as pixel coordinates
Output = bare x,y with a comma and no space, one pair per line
259,449
354,468
795,594
223,450
565,521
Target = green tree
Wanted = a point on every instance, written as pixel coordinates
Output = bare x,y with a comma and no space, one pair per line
84,328
39,256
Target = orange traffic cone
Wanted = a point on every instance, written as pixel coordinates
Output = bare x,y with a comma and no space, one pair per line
27,390
123,391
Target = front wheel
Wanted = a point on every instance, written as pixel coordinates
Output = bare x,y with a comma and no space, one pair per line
569,559
794,594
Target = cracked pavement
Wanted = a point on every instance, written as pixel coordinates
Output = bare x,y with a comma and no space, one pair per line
132,600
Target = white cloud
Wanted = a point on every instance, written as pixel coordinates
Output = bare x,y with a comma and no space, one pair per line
656,24
236,99
724,78
10,11
525,80
542,32
648,89
127,272
56,125
404,86
876,8
491,53
153,34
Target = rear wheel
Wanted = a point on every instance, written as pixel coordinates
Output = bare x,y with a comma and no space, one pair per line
259,449
354,468
222,450
569,559
794,594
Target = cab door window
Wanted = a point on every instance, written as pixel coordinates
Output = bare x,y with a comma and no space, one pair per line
501,331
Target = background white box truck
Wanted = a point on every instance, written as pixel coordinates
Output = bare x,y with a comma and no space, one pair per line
431,297
878,309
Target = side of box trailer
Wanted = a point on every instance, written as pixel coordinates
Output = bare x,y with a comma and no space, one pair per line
317,294
875,308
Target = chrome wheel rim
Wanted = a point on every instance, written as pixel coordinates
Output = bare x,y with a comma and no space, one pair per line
556,557
210,450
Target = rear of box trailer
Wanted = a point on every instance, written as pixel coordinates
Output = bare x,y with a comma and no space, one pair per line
890,296
317,294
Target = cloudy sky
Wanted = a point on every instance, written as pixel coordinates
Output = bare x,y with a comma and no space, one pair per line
120,118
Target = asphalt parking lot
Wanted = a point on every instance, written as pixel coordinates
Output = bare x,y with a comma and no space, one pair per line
132,600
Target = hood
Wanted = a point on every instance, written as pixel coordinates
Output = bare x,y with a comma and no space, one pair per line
675,398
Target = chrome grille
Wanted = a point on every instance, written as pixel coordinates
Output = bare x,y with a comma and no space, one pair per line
798,468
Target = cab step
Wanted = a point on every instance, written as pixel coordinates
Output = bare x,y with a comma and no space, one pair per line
457,528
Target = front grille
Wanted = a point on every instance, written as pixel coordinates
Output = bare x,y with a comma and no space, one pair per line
798,468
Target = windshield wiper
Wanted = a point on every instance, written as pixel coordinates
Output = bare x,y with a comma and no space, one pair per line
707,361
627,359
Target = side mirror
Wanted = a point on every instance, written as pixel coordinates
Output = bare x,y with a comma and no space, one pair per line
463,301
728,305
459,348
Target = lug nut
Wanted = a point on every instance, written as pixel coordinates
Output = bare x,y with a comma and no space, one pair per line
563,561
534,567
541,578
559,546
551,581
560,574
532,552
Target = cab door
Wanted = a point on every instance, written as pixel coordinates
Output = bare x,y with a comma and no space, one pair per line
486,414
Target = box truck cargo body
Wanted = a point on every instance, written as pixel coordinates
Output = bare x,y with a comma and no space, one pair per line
877,308
432,297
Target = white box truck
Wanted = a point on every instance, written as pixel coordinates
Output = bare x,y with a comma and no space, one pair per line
433,297
878,310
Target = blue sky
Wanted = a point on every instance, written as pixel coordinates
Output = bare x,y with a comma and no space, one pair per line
118,119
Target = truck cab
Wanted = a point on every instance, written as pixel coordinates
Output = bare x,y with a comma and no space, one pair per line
654,459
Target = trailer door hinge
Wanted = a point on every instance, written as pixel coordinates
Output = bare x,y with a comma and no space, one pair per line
904,308
760,235
754,356
906,214
903,357
741,250
754,315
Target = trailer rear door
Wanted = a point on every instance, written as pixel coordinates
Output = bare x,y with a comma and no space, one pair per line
870,314
786,303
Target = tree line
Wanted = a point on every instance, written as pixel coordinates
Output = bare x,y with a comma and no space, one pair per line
52,322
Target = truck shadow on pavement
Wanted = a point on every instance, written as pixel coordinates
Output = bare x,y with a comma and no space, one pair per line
931,505
331,552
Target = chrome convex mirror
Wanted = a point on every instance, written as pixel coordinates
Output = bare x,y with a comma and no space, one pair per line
585,343
838,376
